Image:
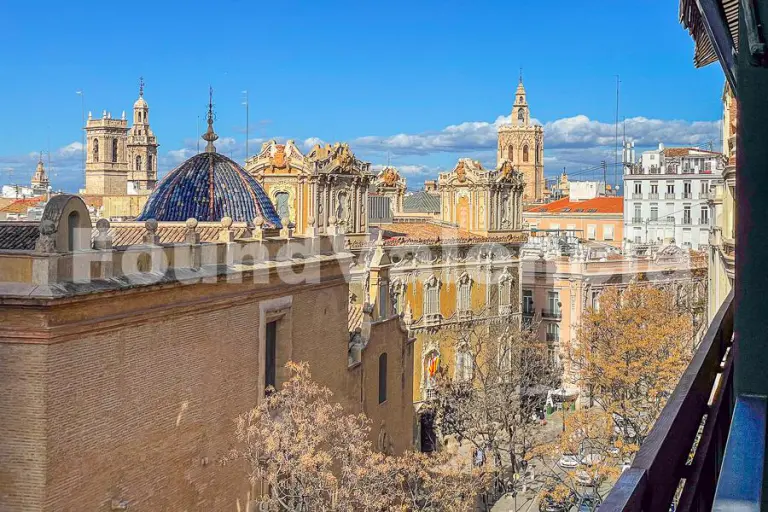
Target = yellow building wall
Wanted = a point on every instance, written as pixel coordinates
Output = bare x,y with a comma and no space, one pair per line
123,206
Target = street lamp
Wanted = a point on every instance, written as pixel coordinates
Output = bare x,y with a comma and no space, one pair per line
82,105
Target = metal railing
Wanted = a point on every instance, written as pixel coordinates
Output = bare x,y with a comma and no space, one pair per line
637,220
555,314
552,337
653,195
669,195
696,418
687,195
637,195
687,221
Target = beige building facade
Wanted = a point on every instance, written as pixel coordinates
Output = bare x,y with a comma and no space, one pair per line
722,205
562,277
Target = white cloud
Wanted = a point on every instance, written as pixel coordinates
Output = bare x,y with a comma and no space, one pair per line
577,131
309,143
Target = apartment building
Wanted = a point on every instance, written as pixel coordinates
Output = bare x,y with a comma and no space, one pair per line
665,196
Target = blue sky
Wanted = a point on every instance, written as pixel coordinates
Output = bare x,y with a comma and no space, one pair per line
426,81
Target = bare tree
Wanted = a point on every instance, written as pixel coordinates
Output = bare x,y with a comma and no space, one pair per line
496,407
309,455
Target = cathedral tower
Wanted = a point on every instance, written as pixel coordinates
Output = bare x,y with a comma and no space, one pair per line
142,149
522,144
40,181
106,164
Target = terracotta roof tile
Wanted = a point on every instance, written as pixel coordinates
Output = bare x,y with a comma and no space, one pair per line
597,205
133,233
675,152
21,205
422,230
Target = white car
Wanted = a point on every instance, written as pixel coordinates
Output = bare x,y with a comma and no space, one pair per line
569,461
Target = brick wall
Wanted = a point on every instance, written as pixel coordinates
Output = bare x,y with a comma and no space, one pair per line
133,395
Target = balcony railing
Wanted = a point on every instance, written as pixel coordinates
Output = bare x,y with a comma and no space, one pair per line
669,195
687,221
552,314
687,195
637,220
528,310
637,195
697,416
704,221
551,337
653,195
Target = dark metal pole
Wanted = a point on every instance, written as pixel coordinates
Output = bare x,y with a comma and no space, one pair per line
751,278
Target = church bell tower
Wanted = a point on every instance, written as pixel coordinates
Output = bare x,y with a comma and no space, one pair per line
142,149
521,143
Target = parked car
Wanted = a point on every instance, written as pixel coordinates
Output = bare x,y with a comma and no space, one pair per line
588,503
548,503
589,478
569,461
591,459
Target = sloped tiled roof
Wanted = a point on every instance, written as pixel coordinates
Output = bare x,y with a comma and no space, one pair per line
596,205
355,316
124,234
675,152
20,236
421,202
423,231
208,187
21,205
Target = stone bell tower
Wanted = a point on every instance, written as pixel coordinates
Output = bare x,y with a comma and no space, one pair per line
106,164
522,144
142,149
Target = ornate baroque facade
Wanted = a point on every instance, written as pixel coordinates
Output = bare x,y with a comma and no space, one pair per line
326,187
481,201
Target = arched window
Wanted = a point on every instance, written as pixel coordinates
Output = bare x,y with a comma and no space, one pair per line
432,301
464,364
72,222
149,162
95,150
464,305
383,378
114,150
138,162
282,206
525,153
510,153
521,115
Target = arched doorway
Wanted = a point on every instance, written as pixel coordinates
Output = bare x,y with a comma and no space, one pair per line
427,436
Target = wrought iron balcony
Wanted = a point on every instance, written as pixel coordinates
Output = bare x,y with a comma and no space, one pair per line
696,419
528,310
551,337
637,220
637,195
551,314
653,195
669,195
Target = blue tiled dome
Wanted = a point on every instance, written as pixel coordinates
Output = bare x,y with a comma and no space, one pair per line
208,187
